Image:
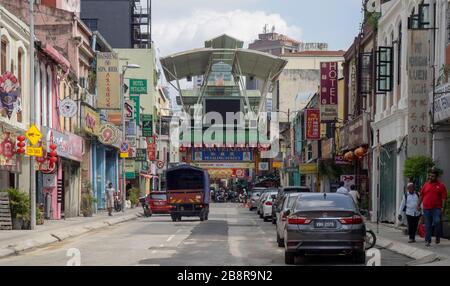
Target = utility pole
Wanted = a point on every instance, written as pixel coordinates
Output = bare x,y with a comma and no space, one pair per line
32,120
122,108
159,151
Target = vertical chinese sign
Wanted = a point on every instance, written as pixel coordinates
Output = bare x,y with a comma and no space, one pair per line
108,81
312,124
151,148
329,76
147,125
419,87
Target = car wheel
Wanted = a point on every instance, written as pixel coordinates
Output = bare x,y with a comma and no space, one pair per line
266,219
174,218
280,242
359,257
289,258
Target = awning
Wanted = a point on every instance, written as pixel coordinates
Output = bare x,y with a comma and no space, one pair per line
56,56
196,62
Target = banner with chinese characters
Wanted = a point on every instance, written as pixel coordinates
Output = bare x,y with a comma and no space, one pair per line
9,161
312,124
108,81
419,86
329,76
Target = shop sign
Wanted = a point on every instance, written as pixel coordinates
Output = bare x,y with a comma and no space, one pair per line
68,108
137,107
69,145
354,133
151,148
263,166
34,151
239,173
277,165
147,125
91,121
141,155
340,160
9,92
130,169
109,135
222,155
7,155
225,165
441,103
329,91
138,86
419,83
308,169
327,149
108,81
312,124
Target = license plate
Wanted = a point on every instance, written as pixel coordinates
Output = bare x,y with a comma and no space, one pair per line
325,224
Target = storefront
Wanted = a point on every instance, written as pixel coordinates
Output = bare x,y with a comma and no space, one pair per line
310,176
10,162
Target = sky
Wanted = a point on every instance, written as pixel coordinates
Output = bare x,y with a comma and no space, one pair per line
179,25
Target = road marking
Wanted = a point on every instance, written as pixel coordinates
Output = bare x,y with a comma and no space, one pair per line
161,245
170,238
179,230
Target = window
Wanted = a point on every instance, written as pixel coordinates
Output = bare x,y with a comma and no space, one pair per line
92,24
20,67
399,55
3,56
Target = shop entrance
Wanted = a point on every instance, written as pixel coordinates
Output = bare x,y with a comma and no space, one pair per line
388,182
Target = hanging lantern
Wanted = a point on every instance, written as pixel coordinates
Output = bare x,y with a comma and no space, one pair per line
40,160
20,144
349,156
53,160
360,152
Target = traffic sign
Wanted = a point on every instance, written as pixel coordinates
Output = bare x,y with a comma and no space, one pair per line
160,164
124,147
124,155
34,151
33,134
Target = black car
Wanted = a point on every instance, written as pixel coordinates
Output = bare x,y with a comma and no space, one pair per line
281,192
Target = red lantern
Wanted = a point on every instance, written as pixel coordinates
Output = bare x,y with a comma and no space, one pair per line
349,156
21,138
40,160
360,152
20,144
53,160
53,146
53,153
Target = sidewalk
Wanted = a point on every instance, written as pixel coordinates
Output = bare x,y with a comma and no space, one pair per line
393,239
15,241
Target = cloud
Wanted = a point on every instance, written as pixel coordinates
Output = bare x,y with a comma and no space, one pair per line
184,33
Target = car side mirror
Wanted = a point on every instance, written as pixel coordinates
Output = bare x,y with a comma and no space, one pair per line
287,212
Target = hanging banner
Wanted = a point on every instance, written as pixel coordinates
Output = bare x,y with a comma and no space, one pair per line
147,125
138,86
141,155
419,76
8,158
108,81
329,76
90,121
137,107
9,92
151,148
312,124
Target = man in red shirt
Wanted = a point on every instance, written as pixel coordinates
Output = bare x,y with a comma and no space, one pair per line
433,197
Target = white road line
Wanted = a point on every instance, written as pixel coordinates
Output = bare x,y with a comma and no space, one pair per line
170,238
161,245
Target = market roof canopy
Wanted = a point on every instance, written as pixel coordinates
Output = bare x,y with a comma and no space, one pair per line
224,42
196,63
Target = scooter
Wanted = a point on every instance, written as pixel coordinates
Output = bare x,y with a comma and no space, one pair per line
145,207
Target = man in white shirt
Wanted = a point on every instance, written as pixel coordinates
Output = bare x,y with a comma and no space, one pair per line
410,206
355,194
342,189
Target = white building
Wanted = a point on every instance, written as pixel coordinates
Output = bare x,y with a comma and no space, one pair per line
14,34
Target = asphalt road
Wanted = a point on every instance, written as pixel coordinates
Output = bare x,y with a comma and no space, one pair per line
233,236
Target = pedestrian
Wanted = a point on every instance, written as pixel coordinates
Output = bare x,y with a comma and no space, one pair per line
410,206
432,198
355,194
342,189
110,192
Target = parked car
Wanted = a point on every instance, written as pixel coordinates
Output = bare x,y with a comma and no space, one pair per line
287,203
324,223
266,206
254,199
261,200
158,202
281,193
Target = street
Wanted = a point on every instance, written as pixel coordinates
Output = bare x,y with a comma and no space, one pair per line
233,236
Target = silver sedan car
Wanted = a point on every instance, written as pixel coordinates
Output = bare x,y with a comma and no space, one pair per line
287,202
322,223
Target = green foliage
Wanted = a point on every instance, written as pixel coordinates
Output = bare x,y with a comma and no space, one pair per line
19,203
134,196
416,168
87,202
333,171
373,19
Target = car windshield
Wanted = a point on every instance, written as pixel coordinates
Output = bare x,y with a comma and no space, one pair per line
256,194
160,197
324,203
291,201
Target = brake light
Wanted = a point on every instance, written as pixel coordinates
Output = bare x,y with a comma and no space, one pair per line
268,203
356,219
299,220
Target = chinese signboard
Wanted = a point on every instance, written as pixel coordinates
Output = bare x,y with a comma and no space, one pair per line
130,170
108,81
308,169
69,145
329,91
147,125
90,121
312,124
141,155
419,87
355,133
138,86
222,155
137,107
9,161
441,103
151,149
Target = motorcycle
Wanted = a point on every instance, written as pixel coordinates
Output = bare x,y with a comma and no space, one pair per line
145,206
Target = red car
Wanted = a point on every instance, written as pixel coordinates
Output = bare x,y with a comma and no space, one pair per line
158,203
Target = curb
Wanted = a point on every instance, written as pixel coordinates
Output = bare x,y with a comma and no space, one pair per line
420,256
62,234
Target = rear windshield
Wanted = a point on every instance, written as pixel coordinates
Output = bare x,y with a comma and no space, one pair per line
256,194
161,197
291,201
321,203
184,179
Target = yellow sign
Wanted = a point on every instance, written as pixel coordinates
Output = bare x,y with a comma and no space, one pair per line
124,155
308,169
108,81
33,134
277,165
34,151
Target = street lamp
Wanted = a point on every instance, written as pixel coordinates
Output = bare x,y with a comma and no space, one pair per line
122,99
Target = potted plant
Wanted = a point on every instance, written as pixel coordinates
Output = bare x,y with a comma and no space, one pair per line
87,204
134,197
20,208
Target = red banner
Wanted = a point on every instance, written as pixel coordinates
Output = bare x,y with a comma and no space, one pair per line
151,149
313,124
329,77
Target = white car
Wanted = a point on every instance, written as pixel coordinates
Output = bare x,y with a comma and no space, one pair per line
266,205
